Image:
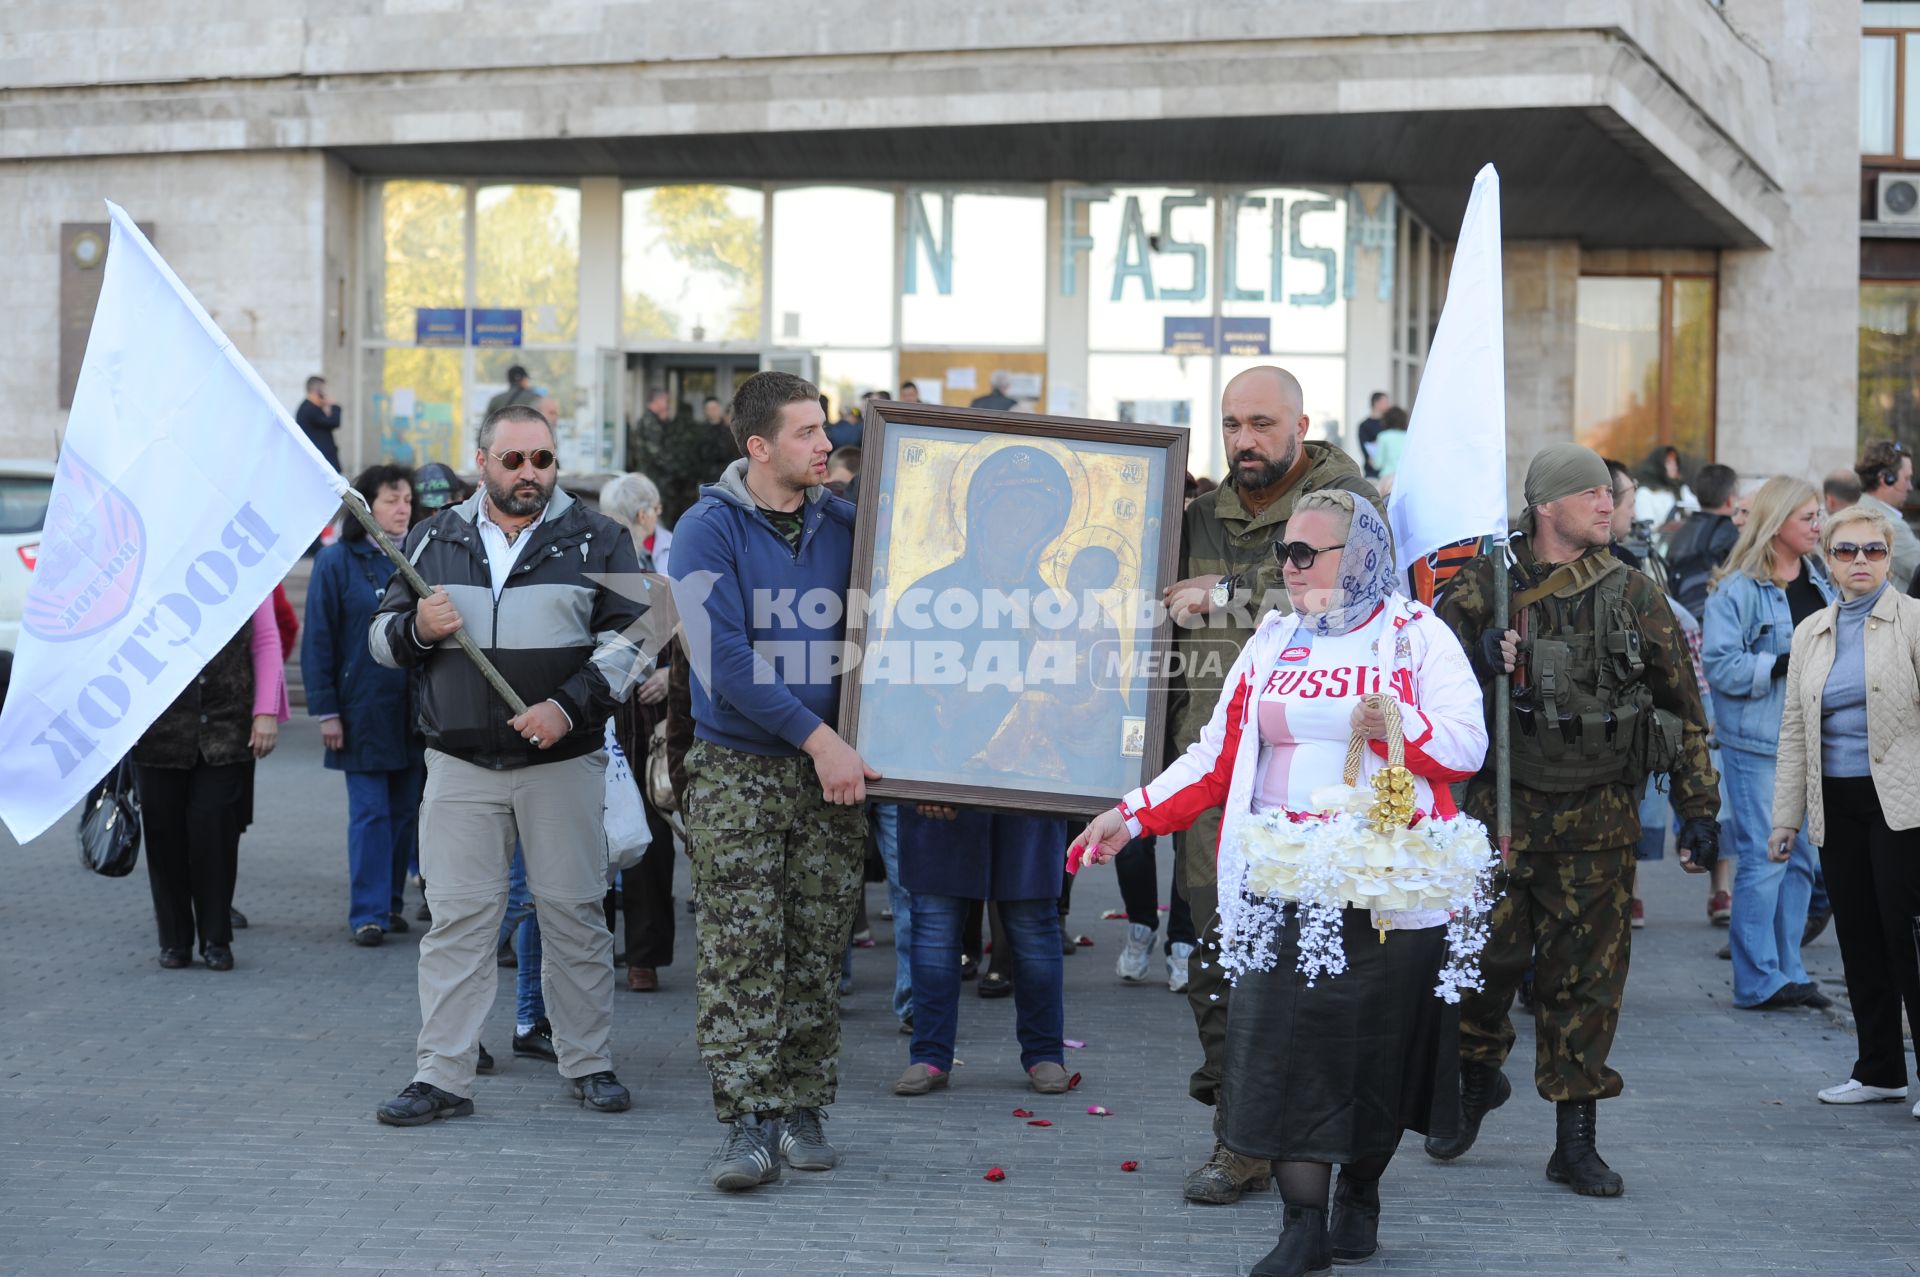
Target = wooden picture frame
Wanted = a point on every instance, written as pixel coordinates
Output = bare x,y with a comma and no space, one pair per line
964,515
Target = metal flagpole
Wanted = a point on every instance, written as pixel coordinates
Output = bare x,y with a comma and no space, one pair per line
357,506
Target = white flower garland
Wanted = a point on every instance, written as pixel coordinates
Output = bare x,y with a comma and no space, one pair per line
1339,860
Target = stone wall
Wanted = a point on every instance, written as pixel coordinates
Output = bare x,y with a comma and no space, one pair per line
1542,282
1789,344
245,233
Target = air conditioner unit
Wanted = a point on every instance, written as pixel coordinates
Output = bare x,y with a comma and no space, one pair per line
1897,197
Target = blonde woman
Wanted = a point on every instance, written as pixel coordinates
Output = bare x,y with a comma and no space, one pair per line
1848,740
1773,580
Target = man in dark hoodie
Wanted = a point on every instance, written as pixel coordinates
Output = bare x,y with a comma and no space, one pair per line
1702,543
1230,575
775,823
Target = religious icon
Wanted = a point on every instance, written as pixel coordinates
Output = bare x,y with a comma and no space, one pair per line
1008,661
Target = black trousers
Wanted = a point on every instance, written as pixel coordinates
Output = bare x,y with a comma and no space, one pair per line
190,818
1139,872
646,899
1873,879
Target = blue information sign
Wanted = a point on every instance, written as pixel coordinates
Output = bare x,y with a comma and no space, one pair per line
1246,336
496,327
1188,335
439,326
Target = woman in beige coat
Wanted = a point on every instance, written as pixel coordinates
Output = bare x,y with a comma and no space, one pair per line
1850,766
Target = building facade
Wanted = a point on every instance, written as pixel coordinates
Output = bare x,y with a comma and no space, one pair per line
1118,205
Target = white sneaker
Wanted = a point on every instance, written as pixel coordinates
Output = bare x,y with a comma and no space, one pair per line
1136,955
1916,1110
1177,959
1852,1092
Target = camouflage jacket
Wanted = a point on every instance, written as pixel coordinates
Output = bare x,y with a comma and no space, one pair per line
679,456
1606,817
1220,538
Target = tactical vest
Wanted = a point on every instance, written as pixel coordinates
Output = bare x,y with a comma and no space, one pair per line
1585,715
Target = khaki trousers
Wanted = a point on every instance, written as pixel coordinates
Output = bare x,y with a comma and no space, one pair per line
469,820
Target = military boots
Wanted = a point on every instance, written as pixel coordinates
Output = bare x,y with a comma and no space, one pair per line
1575,1161
1483,1088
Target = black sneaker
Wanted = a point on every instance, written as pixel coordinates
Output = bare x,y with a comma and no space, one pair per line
1810,996
236,919
504,955
425,914
397,924
421,1103
803,1141
602,1091
537,1045
484,1064
750,1156
368,935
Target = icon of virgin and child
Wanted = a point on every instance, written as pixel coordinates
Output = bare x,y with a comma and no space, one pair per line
1007,658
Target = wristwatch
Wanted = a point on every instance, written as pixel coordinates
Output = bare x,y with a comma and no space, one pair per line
1223,591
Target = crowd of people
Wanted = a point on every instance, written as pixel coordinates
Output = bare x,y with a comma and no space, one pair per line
1739,666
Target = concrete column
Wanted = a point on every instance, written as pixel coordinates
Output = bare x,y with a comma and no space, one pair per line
339,335
1066,314
1541,282
1369,326
1789,315
599,308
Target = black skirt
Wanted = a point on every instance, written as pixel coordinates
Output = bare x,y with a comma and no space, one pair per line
1336,1072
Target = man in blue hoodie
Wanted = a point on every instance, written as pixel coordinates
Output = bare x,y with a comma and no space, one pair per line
775,821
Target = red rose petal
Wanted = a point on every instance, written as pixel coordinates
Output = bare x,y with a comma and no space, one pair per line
1129,1166
1023,1112
1040,1121
1085,942
1073,1081
994,1176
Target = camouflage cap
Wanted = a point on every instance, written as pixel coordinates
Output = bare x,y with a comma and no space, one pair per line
1560,470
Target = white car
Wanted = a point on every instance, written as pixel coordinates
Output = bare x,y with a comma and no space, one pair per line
25,488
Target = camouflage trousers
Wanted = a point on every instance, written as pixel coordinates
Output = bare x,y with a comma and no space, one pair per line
775,872
1568,915
1196,862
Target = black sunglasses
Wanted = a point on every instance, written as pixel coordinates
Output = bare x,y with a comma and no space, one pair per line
1300,554
542,458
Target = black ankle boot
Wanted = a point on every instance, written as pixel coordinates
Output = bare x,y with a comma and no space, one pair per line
1483,1088
1353,1231
1303,1249
1575,1161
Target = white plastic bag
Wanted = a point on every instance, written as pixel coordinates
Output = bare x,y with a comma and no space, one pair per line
626,819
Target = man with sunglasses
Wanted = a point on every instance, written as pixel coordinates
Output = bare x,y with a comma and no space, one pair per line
1604,695
1230,569
519,565
1886,480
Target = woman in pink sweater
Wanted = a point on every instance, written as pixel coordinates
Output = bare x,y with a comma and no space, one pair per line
193,767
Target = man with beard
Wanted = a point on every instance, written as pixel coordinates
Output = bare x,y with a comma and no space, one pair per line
519,565
1230,577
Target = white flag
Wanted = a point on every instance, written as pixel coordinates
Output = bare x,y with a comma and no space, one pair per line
184,493
1451,484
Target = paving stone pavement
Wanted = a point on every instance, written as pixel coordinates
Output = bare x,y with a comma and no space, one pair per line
192,1122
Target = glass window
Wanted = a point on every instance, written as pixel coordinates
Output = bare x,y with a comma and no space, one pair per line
1644,367
1879,89
1151,261
845,375
416,404
1281,261
691,263
976,269
1890,362
1616,379
419,257
1690,392
1165,390
23,503
832,267
527,249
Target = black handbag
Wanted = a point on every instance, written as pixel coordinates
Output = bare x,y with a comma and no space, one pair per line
110,824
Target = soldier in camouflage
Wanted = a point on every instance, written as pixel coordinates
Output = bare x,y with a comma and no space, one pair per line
1604,695
679,454
1230,578
775,822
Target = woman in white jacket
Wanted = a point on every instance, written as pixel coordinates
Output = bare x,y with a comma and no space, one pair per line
1379,1052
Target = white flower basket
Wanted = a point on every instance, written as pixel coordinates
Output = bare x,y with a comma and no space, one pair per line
1358,851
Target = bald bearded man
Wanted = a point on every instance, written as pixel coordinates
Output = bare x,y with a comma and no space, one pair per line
1230,577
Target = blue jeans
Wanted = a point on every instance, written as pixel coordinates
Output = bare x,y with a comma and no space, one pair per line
1654,807
383,817
1032,929
529,1004
886,818
1769,899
